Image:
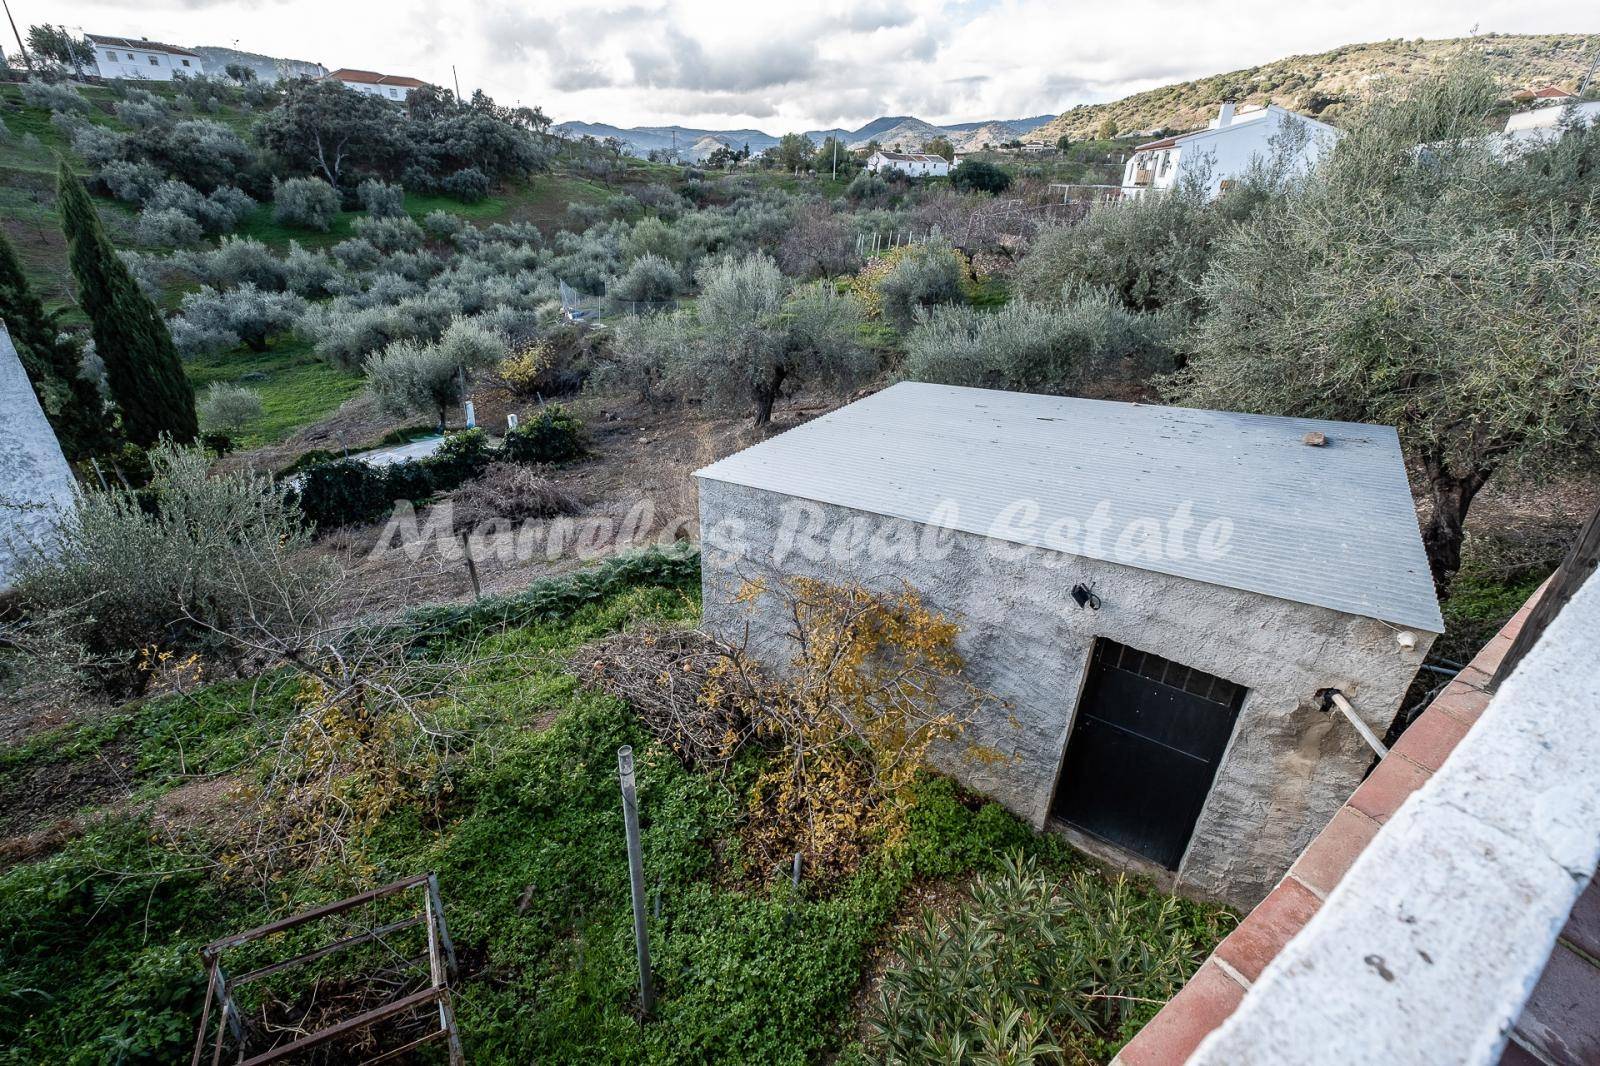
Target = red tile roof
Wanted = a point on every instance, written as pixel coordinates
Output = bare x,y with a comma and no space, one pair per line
1550,92
372,77
139,45
1165,142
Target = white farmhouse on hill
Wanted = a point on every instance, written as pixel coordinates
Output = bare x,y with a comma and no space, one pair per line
1224,151
142,60
916,165
389,86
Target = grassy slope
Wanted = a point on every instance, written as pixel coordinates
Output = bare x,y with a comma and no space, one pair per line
297,388
529,854
1518,60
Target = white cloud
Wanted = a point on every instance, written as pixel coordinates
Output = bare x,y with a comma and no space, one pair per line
733,63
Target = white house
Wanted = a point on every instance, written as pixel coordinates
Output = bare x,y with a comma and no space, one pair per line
1527,130
388,86
916,165
1224,151
142,60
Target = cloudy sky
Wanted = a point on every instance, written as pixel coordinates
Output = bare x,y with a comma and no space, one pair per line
781,66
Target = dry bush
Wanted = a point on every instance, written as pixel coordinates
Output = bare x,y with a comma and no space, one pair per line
690,690
875,683
511,491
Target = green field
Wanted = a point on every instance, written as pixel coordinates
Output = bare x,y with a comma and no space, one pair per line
297,387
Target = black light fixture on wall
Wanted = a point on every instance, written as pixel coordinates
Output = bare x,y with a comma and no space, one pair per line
1084,596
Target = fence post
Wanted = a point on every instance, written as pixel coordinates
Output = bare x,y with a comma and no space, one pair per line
472,566
630,821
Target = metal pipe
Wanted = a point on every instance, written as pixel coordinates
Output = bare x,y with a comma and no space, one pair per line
641,933
1337,699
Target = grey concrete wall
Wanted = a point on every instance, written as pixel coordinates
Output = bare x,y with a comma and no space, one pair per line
36,485
1289,766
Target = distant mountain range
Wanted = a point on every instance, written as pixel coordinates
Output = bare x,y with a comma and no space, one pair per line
902,131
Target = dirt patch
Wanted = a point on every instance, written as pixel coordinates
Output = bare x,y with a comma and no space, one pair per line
943,897
54,790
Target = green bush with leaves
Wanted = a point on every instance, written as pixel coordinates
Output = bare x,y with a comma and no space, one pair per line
1033,968
167,568
347,492
307,202
1030,347
927,275
552,436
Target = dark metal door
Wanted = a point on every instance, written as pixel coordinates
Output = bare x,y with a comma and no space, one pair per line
1144,749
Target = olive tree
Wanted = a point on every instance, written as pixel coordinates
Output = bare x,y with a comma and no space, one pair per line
227,409
759,339
409,376
1422,281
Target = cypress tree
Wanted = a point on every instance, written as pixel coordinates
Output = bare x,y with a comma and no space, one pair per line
142,366
70,402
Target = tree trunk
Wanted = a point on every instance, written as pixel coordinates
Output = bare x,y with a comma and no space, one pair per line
766,395
1452,495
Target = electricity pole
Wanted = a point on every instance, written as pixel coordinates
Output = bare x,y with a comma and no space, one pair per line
457,79
835,157
26,58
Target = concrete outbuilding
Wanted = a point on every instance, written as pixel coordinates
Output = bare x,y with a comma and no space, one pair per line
1166,600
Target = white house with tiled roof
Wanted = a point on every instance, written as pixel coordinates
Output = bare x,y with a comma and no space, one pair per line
914,164
1225,150
388,86
138,59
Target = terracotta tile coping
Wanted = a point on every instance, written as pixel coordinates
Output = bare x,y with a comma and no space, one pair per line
1217,988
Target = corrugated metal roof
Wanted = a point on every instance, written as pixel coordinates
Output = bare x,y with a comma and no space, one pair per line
1333,526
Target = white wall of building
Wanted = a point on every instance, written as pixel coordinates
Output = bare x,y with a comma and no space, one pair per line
143,64
36,485
396,93
920,167
1226,152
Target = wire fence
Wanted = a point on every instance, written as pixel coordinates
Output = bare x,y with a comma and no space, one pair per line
588,307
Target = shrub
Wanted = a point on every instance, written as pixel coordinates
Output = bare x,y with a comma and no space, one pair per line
132,183
213,320
343,492
551,436
97,145
975,175
469,185
141,113
1032,968
228,409
381,200
237,261
307,202
1150,251
442,224
1030,347
390,233
54,96
120,577
166,227
217,213
356,254
866,187
200,151
349,492
649,279
922,276
309,274
642,351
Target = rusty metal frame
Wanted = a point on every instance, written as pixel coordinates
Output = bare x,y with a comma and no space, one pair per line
440,957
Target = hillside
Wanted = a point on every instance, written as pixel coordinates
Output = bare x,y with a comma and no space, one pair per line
1327,84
